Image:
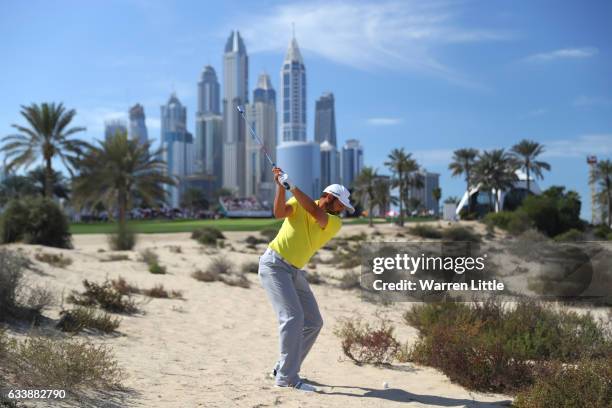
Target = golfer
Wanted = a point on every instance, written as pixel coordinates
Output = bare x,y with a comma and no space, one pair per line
307,227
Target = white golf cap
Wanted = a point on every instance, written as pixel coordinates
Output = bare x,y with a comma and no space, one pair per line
342,194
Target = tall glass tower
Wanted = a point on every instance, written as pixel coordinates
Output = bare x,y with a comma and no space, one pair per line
235,93
208,91
352,162
138,127
293,95
325,119
178,146
262,117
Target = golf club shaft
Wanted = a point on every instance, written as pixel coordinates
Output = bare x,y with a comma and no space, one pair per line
263,147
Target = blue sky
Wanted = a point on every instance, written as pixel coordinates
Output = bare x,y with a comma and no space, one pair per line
429,76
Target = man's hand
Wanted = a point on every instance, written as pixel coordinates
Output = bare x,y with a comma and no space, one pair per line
281,209
282,179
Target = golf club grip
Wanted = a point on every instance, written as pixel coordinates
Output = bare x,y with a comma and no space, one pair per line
285,184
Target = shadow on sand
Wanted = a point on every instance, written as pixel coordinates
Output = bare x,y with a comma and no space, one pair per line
398,395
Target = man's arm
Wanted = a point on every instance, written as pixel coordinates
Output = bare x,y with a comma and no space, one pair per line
281,208
311,207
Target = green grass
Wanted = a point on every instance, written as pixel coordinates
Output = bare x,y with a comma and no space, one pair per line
224,224
163,226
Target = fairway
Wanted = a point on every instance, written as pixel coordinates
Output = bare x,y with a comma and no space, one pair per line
164,226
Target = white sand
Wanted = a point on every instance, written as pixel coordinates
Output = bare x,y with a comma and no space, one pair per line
216,347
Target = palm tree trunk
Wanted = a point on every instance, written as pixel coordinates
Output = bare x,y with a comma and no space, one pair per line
122,208
401,199
467,182
48,178
609,188
528,181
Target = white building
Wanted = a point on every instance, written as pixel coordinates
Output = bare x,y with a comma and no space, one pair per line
235,93
352,161
138,126
262,118
302,162
293,95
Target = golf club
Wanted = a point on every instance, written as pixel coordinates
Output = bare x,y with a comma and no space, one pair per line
283,177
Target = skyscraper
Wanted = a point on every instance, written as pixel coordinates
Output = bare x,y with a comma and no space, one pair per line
177,144
330,164
302,161
114,126
422,195
235,93
325,119
138,127
352,161
293,95
208,92
208,144
262,117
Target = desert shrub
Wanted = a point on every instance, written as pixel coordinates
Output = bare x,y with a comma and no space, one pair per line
499,219
501,344
269,233
466,215
586,384
123,287
205,276
362,236
207,235
45,362
251,240
175,249
157,269
314,278
56,260
149,257
81,318
236,279
346,257
250,267
365,344
554,211
38,298
349,280
602,231
116,257
425,231
104,295
35,220
12,265
515,222
221,266
572,235
459,233
122,240
158,291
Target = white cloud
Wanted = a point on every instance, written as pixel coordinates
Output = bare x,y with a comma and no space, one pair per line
384,121
590,101
564,53
94,119
433,157
366,35
598,144
534,113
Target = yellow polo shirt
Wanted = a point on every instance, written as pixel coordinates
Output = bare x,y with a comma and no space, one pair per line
300,236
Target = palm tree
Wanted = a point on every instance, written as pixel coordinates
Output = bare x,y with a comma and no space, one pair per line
194,199
526,151
59,186
401,165
382,192
495,170
437,194
365,190
116,172
463,163
47,136
602,173
16,187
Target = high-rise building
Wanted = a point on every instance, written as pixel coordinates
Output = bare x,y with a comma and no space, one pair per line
325,119
138,127
178,146
208,143
302,162
235,93
422,193
208,92
262,117
114,126
352,162
330,164
293,95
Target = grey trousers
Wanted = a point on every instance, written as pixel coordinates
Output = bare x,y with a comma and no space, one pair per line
297,311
